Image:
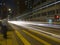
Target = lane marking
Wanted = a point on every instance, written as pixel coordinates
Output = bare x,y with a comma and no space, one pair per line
55,39
21,37
54,35
38,39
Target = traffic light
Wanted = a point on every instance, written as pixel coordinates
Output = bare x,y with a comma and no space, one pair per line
56,17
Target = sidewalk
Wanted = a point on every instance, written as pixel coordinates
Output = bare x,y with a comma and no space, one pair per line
11,40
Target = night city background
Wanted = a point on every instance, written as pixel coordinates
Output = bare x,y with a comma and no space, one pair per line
29,22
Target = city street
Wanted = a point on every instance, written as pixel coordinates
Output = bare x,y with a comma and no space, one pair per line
29,22
29,34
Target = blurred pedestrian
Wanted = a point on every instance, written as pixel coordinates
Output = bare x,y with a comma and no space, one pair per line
4,29
0,26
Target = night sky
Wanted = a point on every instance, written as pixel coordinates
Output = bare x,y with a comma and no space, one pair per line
9,3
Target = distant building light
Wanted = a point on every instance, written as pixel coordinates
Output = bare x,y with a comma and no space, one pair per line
50,21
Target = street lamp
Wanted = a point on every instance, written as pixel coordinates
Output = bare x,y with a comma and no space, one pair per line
9,9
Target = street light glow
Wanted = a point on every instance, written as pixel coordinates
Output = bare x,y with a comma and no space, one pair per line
9,9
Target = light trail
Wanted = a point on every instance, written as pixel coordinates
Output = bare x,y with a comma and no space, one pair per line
25,25
34,23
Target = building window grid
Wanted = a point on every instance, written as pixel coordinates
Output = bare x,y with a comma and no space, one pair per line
50,13
58,11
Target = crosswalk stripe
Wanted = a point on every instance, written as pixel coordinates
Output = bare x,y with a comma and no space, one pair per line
38,39
55,39
22,38
25,41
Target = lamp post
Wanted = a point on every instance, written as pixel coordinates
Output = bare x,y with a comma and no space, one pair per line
9,9
9,12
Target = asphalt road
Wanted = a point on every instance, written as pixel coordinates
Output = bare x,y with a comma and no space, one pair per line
37,35
47,29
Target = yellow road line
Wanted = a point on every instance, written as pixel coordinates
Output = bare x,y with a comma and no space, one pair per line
55,39
22,38
38,39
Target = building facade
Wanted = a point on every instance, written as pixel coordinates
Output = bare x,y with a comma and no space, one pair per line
47,9
23,6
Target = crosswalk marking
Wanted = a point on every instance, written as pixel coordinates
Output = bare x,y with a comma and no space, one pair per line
55,39
22,38
40,40
35,37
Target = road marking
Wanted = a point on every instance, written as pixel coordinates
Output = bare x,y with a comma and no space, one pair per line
36,30
21,37
40,40
54,35
55,39
25,25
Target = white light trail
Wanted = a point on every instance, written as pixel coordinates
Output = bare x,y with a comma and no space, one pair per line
25,25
